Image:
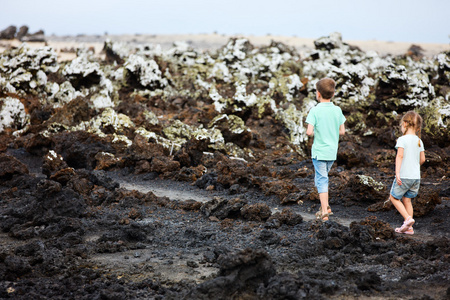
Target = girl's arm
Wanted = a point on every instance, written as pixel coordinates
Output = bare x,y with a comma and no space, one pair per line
422,157
398,164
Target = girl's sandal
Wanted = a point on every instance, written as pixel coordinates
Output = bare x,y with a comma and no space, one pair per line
322,217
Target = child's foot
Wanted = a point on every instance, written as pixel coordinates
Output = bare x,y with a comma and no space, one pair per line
329,210
407,224
408,231
322,217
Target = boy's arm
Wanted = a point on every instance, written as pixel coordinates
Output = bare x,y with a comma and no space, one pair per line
342,129
398,164
310,130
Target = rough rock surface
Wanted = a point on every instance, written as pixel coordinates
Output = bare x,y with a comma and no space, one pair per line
181,174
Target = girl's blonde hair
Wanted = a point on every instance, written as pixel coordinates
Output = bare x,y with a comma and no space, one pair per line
413,120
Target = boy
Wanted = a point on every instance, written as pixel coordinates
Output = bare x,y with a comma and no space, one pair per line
326,123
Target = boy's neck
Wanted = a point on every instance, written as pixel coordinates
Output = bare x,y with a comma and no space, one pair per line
321,100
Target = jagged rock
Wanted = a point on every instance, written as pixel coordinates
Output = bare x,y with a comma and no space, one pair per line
53,162
286,216
9,33
144,72
63,176
10,166
37,37
240,272
256,212
363,189
12,114
233,129
334,41
106,160
23,31
163,164
222,208
351,155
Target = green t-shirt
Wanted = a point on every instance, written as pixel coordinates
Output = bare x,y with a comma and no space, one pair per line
326,119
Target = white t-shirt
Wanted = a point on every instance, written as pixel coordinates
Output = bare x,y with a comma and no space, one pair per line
410,168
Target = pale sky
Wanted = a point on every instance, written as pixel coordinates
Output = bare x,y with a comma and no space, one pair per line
384,20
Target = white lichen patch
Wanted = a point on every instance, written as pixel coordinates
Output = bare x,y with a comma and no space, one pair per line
293,120
242,96
219,102
369,181
146,70
12,114
35,59
235,124
108,119
235,49
81,66
52,155
59,95
220,71
214,135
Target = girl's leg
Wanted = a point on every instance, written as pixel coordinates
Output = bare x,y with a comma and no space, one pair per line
400,207
408,206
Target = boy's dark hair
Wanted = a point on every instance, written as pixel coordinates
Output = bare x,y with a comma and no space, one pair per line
326,87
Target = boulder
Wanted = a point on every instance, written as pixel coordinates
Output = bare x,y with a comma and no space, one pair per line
9,33
10,166
23,31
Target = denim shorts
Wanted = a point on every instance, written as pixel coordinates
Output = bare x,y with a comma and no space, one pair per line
408,189
322,167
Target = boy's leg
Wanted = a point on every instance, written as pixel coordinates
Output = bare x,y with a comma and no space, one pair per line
321,181
324,203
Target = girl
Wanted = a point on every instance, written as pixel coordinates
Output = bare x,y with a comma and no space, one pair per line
410,155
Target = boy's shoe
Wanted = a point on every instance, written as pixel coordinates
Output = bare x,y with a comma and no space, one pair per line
406,225
410,231
329,210
322,217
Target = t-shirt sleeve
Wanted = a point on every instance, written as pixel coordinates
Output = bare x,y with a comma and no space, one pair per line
311,118
400,143
422,147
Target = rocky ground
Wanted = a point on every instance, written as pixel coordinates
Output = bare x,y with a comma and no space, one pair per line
184,174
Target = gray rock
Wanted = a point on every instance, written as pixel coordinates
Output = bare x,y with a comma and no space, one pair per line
8,33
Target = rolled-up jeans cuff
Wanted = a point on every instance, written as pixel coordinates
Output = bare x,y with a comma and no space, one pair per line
321,168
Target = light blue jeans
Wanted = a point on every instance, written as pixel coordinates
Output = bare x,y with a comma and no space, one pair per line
321,168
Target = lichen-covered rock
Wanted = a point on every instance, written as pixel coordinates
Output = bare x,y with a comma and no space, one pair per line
363,189
88,78
236,49
233,129
25,70
145,71
333,41
108,122
12,114
53,162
